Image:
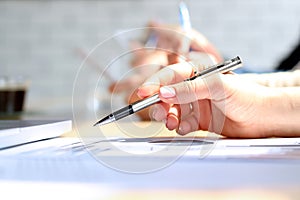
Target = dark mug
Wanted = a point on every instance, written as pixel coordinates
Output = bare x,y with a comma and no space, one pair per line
12,94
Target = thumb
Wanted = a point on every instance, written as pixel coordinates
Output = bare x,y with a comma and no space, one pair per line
166,76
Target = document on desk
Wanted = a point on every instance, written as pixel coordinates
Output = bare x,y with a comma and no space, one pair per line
65,162
273,148
197,147
264,148
17,132
68,159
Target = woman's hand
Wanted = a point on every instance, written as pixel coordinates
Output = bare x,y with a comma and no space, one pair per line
178,42
222,103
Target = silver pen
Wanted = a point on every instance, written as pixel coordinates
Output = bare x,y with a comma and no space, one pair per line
144,103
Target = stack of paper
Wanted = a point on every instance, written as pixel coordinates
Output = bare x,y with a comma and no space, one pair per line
14,132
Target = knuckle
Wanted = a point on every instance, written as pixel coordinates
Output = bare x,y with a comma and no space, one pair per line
192,89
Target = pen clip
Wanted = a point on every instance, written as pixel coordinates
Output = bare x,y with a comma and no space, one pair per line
224,67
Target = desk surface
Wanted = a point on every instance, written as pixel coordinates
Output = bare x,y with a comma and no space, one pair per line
48,168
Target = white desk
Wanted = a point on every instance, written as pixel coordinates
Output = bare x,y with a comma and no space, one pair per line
48,171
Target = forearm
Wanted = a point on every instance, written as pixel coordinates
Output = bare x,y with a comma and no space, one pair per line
283,114
279,79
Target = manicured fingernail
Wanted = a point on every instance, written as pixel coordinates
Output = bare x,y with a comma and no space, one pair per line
167,92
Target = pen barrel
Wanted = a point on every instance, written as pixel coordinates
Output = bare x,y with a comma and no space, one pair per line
224,67
144,103
233,64
123,112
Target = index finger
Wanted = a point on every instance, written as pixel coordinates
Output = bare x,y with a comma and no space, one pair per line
166,76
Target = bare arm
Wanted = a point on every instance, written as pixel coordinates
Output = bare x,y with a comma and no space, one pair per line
279,79
284,112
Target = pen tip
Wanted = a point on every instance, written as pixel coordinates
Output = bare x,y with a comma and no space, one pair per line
106,120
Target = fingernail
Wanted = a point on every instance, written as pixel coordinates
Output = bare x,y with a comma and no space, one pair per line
154,112
167,92
139,93
157,112
184,128
181,130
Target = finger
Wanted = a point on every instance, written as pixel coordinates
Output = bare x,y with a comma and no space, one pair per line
173,40
149,57
160,111
164,42
177,113
171,114
173,58
184,45
172,118
168,75
187,125
189,91
132,97
184,110
199,118
199,42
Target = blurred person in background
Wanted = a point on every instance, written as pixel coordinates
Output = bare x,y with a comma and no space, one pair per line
171,49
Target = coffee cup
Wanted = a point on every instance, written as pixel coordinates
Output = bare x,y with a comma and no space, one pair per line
12,94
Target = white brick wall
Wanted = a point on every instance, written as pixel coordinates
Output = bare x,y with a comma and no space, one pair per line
37,38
